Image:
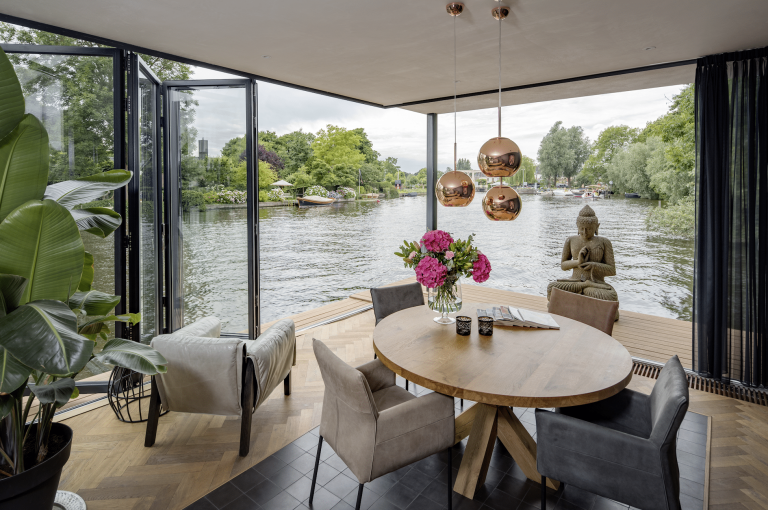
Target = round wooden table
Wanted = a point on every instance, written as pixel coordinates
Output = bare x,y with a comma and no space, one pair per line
516,367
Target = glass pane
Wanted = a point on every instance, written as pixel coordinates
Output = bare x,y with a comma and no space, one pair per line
210,158
147,170
72,96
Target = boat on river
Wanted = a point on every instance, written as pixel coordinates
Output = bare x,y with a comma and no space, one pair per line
631,195
314,200
562,193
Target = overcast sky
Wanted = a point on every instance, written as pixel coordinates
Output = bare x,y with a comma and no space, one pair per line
402,134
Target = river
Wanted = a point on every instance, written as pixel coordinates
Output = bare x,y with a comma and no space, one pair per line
313,256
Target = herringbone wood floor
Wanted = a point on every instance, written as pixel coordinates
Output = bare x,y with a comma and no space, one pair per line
111,469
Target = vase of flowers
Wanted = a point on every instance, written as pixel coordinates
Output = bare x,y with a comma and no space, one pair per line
440,261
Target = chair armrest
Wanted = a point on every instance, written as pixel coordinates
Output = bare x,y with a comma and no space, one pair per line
273,354
627,411
208,327
565,443
377,375
415,414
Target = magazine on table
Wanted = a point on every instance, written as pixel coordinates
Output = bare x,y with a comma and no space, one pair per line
510,316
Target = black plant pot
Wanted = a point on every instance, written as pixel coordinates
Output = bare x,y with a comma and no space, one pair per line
36,488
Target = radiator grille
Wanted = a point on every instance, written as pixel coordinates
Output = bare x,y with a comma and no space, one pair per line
697,382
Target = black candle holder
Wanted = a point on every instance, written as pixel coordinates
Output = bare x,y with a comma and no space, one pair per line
485,326
463,325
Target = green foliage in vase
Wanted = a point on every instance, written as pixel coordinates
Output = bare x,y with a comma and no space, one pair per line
49,315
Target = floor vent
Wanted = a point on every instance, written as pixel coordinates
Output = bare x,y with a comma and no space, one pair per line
696,382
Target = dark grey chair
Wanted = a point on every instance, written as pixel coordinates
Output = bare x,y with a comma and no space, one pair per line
388,300
623,447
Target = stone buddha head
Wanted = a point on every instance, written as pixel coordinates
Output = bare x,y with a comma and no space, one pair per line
587,223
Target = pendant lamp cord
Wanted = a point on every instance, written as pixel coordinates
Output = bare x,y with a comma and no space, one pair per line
499,72
454,93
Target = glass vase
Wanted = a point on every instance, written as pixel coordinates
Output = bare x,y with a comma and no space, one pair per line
444,300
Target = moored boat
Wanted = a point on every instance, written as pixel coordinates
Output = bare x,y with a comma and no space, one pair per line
314,200
631,195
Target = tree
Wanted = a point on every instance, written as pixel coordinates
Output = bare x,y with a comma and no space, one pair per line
563,152
365,146
338,146
677,129
555,155
610,141
295,150
463,164
632,169
526,173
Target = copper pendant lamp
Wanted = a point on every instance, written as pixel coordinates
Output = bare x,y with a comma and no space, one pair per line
455,189
500,157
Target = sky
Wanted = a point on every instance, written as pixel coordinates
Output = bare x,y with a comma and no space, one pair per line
402,134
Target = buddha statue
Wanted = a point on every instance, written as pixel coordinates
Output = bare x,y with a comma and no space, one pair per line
591,259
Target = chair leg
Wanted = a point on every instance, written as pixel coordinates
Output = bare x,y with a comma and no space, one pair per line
450,478
374,355
406,384
287,384
462,403
246,408
314,475
543,493
359,497
154,415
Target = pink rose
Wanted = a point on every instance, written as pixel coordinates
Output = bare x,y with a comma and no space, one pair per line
449,254
412,255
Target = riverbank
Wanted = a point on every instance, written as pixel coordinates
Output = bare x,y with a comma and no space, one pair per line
284,203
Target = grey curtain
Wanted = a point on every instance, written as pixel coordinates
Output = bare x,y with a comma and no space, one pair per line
730,305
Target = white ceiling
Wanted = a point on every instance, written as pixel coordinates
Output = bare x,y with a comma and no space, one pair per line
398,51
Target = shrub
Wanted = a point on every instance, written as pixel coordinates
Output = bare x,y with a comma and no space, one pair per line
677,219
392,192
226,196
192,198
346,192
275,195
263,196
316,190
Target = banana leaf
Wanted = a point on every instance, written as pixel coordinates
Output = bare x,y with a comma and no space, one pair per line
99,221
97,325
11,97
43,336
12,373
24,157
6,402
11,290
40,241
133,355
59,391
87,189
93,302
86,280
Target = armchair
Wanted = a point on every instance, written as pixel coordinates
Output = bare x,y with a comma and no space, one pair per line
376,427
623,447
222,376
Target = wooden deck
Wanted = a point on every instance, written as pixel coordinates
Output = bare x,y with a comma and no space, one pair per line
111,469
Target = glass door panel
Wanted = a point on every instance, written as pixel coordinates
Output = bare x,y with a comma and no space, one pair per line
209,161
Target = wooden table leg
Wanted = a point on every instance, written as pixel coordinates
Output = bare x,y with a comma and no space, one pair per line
520,445
477,454
464,423
483,423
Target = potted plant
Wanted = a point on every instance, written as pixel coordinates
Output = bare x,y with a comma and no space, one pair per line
49,314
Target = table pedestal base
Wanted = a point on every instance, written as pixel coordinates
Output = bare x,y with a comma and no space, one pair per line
483,423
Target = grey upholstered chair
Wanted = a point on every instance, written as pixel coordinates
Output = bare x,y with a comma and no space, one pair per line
598,313
388,300
375,426
623,447
223,376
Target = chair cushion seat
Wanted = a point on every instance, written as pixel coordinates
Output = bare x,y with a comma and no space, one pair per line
390,397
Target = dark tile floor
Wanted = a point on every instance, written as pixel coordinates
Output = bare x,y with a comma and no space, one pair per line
282,481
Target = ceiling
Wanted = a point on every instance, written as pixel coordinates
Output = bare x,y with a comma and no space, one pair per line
401,51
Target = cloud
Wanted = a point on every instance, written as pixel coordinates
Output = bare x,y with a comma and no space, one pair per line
402,134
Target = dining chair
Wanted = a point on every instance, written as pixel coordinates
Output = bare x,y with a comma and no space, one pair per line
388,300
598,313
623,447
221,376
375,426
